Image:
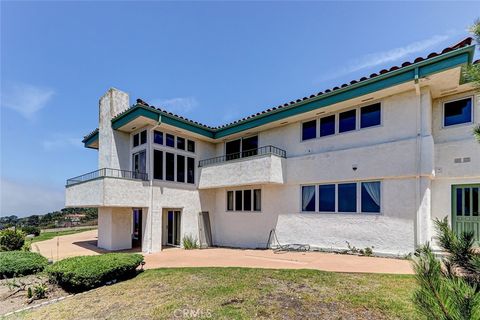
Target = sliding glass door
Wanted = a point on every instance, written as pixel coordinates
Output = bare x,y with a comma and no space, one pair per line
173,227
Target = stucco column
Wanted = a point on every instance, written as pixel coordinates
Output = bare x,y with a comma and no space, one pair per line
113,151
115,228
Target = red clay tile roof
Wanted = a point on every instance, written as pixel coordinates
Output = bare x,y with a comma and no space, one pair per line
461,44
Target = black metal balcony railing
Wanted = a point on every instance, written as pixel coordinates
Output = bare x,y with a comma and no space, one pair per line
108,172
266,150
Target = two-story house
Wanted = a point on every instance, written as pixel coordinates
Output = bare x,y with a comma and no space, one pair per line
370,162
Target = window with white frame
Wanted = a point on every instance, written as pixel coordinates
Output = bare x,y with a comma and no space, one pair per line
244,200
139,138
348,197
344,121
458,112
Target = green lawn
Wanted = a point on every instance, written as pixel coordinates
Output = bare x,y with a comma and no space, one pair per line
242,293
52,234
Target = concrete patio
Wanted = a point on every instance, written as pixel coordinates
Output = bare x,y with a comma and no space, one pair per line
84,243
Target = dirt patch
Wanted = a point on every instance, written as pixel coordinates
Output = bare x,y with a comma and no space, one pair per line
14,292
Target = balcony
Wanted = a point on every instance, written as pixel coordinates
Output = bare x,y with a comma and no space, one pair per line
107,188
265,165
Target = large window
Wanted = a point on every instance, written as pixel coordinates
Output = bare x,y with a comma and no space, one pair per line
180,168
139,138
241,148
139,164
326,198
308,198
190,170
347,121
309,130
180,143
370,116
157,164
457,112
327,126
370,196
352,197
244,200
170,166
191,146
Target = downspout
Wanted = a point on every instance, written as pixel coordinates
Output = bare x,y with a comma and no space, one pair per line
418,159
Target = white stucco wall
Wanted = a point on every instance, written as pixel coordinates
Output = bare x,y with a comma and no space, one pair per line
115,228
263,169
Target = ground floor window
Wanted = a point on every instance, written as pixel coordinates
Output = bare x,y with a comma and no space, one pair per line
350,197
244,200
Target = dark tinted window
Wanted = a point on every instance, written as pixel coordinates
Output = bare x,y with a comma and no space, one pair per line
157,164
190,170
136,140
170,140
327,126
238,200
326,198
457,112
158,137
170,166
371,196
459,207
347,197
347,121
180,143
191,146
232,149
180,168
308,198
370,116
249,146
309,130
247,200
143,137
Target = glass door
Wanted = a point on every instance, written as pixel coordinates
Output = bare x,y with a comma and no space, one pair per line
139,164
465,209
137,228
173,227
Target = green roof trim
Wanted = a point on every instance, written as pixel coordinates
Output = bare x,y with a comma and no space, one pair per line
439,63
89,140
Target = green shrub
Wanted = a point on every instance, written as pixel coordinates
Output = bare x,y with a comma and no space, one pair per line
21,263
87,272
189,242
11,240
31,230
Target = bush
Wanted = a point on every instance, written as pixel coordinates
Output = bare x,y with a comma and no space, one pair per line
21,263
189,242
31,230
87,272
11,240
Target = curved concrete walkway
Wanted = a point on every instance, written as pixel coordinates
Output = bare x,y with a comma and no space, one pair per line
84,243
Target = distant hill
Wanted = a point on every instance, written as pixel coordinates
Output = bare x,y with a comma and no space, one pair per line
57,219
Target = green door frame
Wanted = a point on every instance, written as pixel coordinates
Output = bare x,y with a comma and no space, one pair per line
466,222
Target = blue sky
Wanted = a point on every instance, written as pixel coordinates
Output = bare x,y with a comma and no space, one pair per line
210,61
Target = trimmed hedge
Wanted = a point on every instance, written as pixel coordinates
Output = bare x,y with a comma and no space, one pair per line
21,263
31,230
11,240
87,272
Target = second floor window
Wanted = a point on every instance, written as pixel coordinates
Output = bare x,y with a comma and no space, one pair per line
457,112
140,138
241,148
309,130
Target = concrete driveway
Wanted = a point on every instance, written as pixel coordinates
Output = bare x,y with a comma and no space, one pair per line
84,243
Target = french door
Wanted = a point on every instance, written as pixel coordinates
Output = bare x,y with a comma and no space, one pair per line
173,227
465,209
139,164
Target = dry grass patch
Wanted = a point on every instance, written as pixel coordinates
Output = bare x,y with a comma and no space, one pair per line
242,293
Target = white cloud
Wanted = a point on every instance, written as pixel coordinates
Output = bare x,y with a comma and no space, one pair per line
61,142
25,99
182,105
392,55
24,199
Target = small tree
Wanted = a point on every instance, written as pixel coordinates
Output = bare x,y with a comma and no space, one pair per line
472,73
449,287
11,240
